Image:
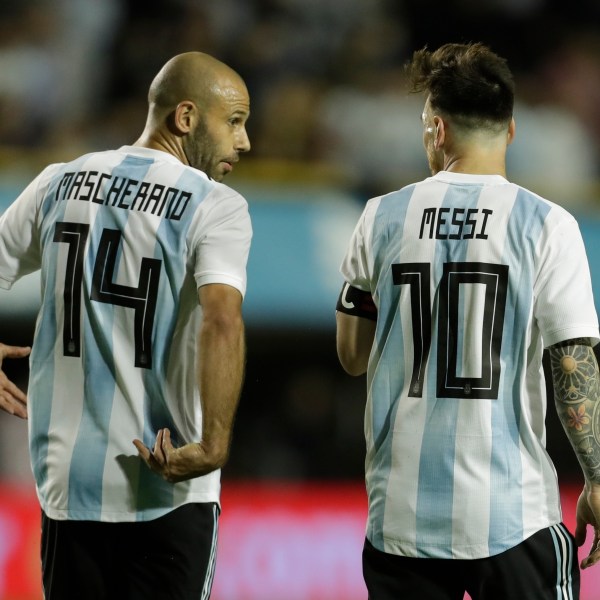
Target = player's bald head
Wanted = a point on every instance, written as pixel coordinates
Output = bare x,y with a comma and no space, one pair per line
198,108
194,76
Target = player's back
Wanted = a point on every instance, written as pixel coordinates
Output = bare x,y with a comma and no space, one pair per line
460,268
124,241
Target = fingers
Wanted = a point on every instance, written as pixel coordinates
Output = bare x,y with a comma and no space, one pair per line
12,399
163,445
167,446
10,391
594,556
13,351
142,449
12,407
157,450
157,458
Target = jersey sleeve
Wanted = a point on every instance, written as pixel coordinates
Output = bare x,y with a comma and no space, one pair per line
222,242
19,236
564,302
356,265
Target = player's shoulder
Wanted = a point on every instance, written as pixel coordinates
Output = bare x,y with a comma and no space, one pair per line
222,195
390,201
80,162
555,212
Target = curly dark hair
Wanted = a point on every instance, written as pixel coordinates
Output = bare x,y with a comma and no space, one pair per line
467,82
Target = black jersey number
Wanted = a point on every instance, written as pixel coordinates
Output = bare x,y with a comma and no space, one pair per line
450,384
103,289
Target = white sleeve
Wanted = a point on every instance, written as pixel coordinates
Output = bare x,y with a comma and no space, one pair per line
564,303
356,267
20,252
221,239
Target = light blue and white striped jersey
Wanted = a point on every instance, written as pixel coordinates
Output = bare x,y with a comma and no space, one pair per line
473,277
123,239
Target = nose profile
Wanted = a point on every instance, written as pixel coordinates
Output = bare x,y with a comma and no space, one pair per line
243,141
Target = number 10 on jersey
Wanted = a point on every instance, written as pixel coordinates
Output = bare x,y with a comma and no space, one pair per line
470,305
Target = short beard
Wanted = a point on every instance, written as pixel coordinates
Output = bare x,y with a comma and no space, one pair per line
195,147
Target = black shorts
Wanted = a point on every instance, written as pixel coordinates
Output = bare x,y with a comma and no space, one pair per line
543,567
170,557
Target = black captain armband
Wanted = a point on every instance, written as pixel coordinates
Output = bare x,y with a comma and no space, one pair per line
356,303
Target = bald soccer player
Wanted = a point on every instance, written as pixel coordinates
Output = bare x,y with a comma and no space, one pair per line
139,338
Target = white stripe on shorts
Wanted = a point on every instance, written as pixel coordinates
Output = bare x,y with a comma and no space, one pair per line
563,546
210,569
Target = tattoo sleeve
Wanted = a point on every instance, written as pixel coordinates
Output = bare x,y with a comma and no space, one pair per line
576,384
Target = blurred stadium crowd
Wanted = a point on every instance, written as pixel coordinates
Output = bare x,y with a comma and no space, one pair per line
324,77
328,104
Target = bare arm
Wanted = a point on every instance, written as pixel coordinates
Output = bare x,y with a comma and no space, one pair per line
576,382
219,375
354,340
221,365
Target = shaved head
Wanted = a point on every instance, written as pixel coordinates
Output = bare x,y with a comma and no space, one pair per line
198,108
191,76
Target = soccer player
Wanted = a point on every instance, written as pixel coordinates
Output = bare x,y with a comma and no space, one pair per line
454,286
139,338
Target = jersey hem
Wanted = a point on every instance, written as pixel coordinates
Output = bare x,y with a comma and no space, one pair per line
131,516
471,552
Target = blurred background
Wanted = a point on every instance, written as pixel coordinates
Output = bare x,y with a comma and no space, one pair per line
331,126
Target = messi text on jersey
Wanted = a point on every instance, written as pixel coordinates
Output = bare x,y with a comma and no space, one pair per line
454,223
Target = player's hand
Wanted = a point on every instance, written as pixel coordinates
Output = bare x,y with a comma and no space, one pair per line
12,399
588,514
177,464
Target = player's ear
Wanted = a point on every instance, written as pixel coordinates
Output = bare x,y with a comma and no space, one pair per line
439,135
512,127
185,116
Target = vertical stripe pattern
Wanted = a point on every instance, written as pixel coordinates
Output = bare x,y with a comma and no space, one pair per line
456,465
563,547
124,239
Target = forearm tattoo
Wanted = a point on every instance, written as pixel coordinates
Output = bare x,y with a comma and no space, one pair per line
576,384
